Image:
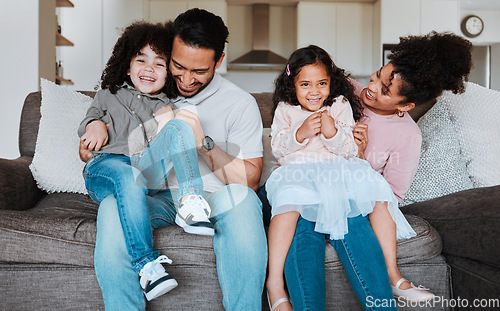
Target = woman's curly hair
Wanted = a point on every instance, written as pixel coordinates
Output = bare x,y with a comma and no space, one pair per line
339,82
136,36
431,64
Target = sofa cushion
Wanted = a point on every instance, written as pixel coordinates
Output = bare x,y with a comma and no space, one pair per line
467,222
56,164
61,229
442,168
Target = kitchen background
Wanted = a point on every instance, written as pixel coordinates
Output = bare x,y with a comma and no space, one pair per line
353,32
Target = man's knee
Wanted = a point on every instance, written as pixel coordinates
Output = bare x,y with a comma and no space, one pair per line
234,196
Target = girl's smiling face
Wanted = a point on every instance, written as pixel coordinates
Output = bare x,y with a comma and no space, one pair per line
148,71
312,87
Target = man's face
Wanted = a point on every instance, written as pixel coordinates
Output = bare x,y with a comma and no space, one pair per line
192,68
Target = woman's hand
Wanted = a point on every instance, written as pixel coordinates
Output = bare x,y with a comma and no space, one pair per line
311,127
328,128
360,133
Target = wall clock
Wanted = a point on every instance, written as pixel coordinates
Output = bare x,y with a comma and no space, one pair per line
472,26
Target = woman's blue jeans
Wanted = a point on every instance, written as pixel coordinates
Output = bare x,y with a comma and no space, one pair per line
239,243
129,180
360,254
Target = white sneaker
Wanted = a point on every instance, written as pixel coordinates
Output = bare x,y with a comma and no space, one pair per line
155,281
193,214
413,293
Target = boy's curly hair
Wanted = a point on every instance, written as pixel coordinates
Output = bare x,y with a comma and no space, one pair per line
136,36
431,64
339,82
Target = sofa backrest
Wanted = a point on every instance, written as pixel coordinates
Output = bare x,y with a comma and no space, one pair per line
30,118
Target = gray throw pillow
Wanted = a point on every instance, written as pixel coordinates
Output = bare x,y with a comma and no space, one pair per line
442,169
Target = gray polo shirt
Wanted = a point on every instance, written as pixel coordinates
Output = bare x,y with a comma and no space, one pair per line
231,117
130,115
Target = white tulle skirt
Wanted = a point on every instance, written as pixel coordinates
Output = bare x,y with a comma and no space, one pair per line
329,192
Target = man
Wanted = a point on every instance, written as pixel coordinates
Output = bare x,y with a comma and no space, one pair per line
219,112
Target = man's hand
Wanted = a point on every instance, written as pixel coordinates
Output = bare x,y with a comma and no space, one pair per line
328,128
162,116
85,154
193,120
311,127
96,135
360,133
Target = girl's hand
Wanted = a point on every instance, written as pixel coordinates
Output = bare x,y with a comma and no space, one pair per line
328,128
96,135
310,128
162,116
360,133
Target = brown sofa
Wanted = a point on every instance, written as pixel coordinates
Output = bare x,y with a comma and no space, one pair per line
47,244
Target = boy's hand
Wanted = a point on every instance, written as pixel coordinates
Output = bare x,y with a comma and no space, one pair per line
96,135
311,127
162,116
328,128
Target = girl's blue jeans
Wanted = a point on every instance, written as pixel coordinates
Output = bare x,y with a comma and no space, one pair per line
129,180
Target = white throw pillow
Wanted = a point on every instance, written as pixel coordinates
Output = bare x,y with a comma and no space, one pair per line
474,115
56,164
442,168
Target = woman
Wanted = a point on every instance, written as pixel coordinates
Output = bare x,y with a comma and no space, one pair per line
420,69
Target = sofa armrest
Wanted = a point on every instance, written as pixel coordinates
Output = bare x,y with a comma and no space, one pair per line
467,221
18,190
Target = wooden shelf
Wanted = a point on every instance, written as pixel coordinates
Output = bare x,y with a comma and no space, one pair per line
64,3
61,41
61,80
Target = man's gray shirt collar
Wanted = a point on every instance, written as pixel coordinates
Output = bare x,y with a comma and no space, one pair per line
208,91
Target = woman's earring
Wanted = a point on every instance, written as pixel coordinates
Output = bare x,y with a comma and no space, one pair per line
400,113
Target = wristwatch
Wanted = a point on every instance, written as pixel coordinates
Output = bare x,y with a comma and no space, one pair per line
207,143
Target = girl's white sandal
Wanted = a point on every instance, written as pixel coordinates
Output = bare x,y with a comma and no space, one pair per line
413,293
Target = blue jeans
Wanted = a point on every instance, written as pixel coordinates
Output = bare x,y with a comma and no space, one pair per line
360,254
239,244
130,179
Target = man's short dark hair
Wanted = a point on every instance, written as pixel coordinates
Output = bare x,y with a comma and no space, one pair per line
201,29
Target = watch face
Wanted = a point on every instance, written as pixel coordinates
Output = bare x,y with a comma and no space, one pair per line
207,143
472,26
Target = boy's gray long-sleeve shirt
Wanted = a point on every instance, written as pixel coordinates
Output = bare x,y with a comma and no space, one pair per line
130,115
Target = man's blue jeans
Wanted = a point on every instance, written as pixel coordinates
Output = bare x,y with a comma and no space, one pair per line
360,254
239,244
128,180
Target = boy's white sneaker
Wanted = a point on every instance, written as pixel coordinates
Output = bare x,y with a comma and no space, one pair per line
193,215
155,281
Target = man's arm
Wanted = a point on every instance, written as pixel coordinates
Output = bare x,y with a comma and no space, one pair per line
232,170
227,168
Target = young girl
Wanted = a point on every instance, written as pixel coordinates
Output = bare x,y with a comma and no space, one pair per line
135,140
312,140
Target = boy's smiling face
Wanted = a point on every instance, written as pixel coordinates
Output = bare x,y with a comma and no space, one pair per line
148,71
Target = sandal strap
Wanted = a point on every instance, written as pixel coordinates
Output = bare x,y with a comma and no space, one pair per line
399,282
278,302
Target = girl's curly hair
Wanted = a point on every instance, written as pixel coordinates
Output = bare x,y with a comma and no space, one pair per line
136,36
339,82
431,64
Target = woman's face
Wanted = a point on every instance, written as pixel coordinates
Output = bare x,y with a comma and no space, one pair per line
382,94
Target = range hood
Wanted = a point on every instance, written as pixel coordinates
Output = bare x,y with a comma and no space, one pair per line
260,57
